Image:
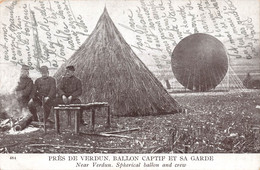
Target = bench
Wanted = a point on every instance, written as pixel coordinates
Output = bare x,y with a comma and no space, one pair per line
77,108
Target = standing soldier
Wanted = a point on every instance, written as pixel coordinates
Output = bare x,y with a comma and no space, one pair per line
24,88
69,89
44,93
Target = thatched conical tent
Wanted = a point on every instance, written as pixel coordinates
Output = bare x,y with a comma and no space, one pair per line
111,72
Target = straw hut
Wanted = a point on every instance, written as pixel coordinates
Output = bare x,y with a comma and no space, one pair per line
111,72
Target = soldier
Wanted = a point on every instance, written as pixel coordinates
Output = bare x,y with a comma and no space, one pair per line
44,93
69,89
24,88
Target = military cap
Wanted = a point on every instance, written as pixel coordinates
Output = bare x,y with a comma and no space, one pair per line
25,67
71,68
44,69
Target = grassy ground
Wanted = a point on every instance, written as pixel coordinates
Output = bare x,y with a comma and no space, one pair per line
222,122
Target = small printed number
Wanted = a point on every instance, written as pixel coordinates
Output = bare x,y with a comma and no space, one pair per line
12,157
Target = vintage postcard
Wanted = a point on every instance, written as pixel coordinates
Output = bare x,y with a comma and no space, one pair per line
129,84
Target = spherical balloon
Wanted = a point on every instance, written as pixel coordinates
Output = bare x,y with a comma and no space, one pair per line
199,62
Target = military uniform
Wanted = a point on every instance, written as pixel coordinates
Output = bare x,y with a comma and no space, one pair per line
24,90
70,86
44,87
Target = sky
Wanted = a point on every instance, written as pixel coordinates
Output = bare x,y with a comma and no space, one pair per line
122,12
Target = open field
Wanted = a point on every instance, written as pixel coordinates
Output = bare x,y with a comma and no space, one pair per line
221,122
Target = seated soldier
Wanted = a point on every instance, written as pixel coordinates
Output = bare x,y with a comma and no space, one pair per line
44,93
24,88
69,90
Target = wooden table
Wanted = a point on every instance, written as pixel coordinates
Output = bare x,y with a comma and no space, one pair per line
68,109
80,108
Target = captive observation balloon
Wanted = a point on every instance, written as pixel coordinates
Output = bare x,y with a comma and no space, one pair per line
199,62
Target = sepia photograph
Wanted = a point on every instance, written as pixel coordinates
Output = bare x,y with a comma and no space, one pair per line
129,84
